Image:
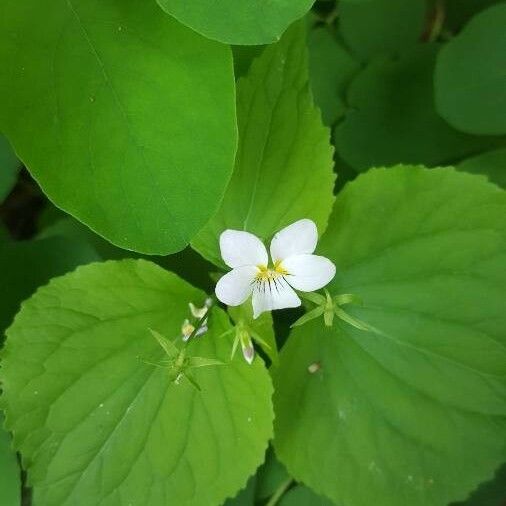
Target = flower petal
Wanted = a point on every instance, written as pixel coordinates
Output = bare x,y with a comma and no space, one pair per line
297,239
235,287
309,272
240,248
273,296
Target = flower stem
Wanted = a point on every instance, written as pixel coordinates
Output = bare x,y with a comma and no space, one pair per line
279,492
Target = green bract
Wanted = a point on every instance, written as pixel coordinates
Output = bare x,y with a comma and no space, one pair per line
97,424
98,100
283,169
470,80
415,411
238,21
392,119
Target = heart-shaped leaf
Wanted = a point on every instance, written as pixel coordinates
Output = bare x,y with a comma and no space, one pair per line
284,168
413,412
99,102
97,423
242,22
470,81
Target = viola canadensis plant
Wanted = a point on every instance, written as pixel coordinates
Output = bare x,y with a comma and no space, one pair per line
298,147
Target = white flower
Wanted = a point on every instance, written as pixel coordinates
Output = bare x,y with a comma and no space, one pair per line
293,266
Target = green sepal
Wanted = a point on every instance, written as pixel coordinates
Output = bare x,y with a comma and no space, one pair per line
347,298
203,362
316,298
310,315
168,346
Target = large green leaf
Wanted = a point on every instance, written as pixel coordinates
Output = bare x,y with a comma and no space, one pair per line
303,496
95,424
415,412
382,26
246,497
243,58
124,117
242,22
470,80
10,474
26,265
491,493
9,166
187,264
284,163
458,12
270,476
392,117
330,68
491,164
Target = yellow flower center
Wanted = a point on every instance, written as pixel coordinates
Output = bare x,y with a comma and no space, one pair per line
266,274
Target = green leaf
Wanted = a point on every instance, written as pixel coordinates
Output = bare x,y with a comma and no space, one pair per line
9,166
491,164
392,117
26,265
106,428
303,496
458,12
284,162
330,70
261,328
243,22
382,26
187,263
270,476
416,414
491,493
470,81
243,58
109,90
246,497
10,474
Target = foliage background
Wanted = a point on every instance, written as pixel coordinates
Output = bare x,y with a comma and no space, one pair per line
133,133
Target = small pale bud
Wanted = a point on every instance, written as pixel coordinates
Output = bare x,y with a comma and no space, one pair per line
248,351
314,367
187,329
197,312
202,330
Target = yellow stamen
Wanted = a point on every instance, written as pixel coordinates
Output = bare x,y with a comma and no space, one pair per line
267,274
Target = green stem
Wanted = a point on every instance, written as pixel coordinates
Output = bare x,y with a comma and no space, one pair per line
279,492
437,21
